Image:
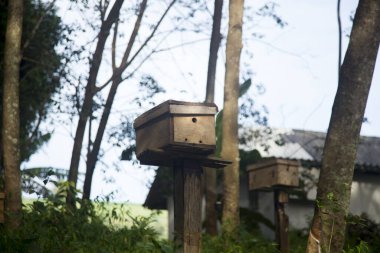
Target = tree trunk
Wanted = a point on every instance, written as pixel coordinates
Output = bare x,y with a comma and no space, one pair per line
117,79
89,94
93,155
210,173
230,147
338,162
11,118
216,37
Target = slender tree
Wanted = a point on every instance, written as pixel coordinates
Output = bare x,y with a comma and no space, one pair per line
216,37
92,156
90,91
41,70
109,16
230,147
11,118
333,197
210,173
116,80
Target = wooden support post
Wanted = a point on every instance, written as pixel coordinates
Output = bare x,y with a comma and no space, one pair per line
187,205
183,137
2,197
282,220
178,202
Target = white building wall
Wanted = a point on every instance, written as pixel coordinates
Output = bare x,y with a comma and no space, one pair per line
365,196
300,214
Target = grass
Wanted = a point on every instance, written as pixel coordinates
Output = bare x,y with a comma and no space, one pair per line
159,218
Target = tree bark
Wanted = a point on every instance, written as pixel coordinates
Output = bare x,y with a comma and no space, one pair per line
89,94
216,37
117,79
93,155
11,118
230,148
210,173
338,162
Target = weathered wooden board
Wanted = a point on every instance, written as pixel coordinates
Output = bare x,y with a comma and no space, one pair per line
194,130
176,126
2,196
159,157
282,221
156,135
273,173
187,205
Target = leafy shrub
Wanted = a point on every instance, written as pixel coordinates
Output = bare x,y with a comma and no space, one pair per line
49,226
362,234
238,243
362,247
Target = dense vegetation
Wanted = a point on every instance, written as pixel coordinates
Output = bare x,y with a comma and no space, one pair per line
40,71
49,226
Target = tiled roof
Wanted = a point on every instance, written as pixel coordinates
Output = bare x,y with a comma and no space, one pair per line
305,146
308,146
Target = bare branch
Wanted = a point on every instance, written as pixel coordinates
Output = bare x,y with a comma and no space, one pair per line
103,8
124,64
116,71
154,51
113,57
27,42
102,38
180,45
134,34
99,88
35,130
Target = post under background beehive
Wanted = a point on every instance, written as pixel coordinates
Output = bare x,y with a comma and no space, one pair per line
2,197
176,126
273,173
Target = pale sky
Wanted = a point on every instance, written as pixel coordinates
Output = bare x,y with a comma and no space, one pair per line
296,64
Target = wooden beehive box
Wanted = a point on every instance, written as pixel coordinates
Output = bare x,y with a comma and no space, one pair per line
176,126
277,173
2,196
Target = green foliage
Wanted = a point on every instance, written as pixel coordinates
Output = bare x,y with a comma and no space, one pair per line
361,248
241,242
34,180
247,158
219,132
298,240
48,226
362,234
243,88
40,71
250,221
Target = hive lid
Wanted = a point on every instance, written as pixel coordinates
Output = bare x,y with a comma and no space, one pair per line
176,108
160,157
272,162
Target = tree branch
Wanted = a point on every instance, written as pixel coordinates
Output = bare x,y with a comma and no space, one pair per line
154,51
113,57
35,130
103,9
125,63
34,31
134,34
102,37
